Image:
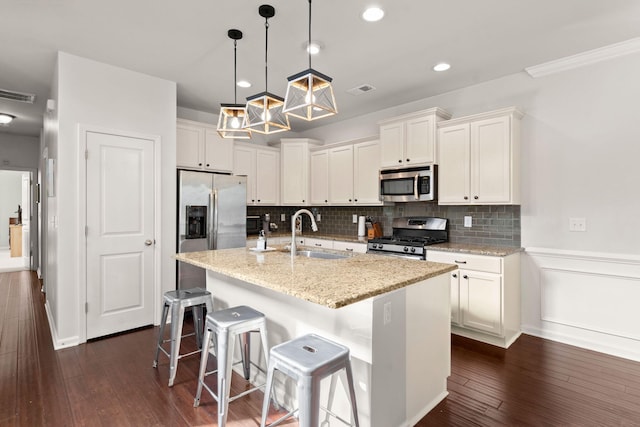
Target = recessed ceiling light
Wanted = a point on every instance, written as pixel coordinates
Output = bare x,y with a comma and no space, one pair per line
372,14
313,48
244,83
5,119
443,66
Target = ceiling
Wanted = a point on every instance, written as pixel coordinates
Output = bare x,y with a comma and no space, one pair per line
187,42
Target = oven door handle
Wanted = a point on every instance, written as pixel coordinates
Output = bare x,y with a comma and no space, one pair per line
415,186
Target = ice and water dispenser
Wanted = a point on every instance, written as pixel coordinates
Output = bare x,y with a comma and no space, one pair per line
196,222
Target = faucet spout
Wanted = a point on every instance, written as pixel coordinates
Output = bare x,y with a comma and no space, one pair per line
314,227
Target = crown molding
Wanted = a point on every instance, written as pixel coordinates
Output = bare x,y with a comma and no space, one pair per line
585,58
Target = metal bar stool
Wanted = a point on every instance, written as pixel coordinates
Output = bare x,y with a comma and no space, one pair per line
222,327
197,299
307,360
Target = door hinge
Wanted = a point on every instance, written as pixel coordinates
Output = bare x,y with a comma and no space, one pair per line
86,307
86,154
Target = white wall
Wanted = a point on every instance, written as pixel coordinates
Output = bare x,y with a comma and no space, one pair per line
10,198
18,152
92,93
580,156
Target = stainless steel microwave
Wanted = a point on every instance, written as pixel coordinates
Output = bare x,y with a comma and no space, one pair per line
414,184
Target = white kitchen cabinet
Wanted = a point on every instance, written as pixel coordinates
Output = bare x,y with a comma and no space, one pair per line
295,181
352,173
479,159
485,296
318,243
340,245
410,140
198,146
261,165
319,177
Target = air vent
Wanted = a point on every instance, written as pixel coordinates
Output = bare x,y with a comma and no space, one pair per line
17,96
359,90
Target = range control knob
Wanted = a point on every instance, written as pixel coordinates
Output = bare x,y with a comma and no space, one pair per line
413,249
406,249
379,245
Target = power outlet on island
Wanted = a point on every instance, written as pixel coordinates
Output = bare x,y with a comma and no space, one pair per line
283,217
386,308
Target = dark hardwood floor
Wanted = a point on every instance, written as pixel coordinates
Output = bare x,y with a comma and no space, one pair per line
110,382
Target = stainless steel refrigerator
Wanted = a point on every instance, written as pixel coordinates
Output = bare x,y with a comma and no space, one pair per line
212,210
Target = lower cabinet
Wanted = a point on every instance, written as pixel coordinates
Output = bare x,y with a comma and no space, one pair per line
485,296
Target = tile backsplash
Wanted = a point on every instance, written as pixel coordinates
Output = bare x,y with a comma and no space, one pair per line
491,225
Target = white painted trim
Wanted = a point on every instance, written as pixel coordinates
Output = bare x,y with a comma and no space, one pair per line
57,342
81,179
585,58
585,256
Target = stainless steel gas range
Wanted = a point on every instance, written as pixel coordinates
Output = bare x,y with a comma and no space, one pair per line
411,235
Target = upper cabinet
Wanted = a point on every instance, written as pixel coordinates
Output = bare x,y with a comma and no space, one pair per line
261,165
410,140
479,159
294,174
198,146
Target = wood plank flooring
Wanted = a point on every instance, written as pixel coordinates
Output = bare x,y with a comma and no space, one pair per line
110,382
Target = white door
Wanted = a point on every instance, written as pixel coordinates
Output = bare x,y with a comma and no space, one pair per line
120,233
26,219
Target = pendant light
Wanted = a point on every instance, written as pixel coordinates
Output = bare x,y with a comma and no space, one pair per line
309,93
232,115
264,110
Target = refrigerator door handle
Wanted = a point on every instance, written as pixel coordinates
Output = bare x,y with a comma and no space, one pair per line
213,219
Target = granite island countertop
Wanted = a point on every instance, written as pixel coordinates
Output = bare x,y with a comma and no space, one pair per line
332,283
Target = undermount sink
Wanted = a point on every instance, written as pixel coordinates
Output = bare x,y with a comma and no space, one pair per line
323,255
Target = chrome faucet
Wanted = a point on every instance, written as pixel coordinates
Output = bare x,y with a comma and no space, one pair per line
314,227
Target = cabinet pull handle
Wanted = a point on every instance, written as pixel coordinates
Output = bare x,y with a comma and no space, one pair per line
302,200
355,200
326,201
465,277
408,160
207,164
318,244
199,164
349,199
400,161
349,249
459,262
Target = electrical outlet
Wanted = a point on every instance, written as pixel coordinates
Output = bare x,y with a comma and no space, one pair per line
468,221
318,217
283,217
355,218
577,224
387,312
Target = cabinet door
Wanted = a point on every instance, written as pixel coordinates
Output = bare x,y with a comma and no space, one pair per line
320,177
481,301
360,248
295,174
453,168
491,161
318,243
267,182
189,146
244,163
341,175
392,145
455,297
366,170
420,144
218,152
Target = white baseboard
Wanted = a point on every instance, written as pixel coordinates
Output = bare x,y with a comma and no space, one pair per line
59,343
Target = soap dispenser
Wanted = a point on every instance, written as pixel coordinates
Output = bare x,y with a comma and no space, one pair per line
261,245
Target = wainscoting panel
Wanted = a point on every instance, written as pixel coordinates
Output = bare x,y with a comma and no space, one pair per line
587,299
597,302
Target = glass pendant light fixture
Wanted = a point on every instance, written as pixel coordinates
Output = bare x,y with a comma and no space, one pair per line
264,110
309,93
232,115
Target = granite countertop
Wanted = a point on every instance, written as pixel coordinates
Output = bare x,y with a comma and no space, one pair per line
475,249
331,283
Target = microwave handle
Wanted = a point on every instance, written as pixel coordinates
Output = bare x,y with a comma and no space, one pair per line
415,186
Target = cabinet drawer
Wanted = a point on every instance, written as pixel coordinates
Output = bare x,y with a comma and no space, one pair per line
488,264
318,243
350,246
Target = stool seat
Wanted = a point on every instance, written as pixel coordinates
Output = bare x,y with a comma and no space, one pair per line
307,360
178,301
222,327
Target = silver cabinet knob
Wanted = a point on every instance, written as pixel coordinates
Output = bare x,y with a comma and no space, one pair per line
148,242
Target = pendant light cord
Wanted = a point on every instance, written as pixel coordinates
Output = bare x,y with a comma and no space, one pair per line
266,49
309,45
235,72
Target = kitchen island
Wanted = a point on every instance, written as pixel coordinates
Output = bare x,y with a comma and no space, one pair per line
394,315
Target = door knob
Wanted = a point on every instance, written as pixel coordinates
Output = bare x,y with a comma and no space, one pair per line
148,242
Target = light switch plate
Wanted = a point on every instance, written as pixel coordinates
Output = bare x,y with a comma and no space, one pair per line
355,218
468,221
577,224
283,217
